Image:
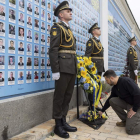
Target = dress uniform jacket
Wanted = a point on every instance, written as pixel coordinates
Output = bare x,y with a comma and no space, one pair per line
62,39
132,59
95,50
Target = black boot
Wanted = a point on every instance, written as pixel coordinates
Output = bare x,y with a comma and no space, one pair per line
67,127
59,130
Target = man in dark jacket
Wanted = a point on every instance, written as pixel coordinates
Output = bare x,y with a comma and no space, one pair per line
125,95
63,63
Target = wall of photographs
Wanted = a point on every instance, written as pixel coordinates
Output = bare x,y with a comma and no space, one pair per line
25,40
118,37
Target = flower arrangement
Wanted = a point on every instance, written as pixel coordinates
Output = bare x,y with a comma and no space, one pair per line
90,82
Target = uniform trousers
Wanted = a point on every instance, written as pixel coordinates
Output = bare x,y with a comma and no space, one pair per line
62,94
132,124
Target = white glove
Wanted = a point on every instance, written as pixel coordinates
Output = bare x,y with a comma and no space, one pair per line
56,76
136,72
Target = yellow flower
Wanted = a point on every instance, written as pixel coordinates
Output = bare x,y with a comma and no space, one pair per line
81,64
81,58
83,73
91,88
103,116
77,58
88,80
90,58
78,76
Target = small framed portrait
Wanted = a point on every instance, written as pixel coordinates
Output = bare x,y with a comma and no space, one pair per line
29,22
29,35
21,48
12,17
21,5
42,76
48,52
11,48
48,28
11,62
2,45
36,76
49,17
37,2
42,14
11,77
20,77
36,63
29,8
48,64
42,39
21,33
36,50
21,19
36,39
42,63
36,24
43,4
2,62
2,78
48,76
3,1
54,7
29,63
29,49
36,12
42,51
42,26
2,12
20,62
12,3
48,41
54,1
49,6
54,19
28,76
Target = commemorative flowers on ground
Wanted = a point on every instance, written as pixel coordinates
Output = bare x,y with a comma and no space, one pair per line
90,82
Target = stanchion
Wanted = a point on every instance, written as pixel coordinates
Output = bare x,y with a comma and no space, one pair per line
77,99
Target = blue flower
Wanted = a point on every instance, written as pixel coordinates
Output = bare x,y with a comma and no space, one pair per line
90,66
82,80
82,68
78,61
86,86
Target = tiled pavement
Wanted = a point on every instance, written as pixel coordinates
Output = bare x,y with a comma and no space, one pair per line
108,131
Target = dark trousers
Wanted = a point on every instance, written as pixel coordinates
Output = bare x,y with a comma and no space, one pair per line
62,95
90,96
132,75
132,124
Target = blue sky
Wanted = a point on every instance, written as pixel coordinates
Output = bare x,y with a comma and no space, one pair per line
135,8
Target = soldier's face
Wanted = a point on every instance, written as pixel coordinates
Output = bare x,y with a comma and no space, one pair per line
97,32
134,43
66,15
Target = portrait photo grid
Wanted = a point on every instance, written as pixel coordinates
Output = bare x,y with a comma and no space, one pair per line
25,41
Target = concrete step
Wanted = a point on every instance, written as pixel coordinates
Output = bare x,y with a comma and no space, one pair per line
40,132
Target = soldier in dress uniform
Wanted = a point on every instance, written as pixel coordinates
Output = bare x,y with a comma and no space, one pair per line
63,62
95,50
132,59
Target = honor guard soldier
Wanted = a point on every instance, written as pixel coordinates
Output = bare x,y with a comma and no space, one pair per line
95,50
132,59
63,62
